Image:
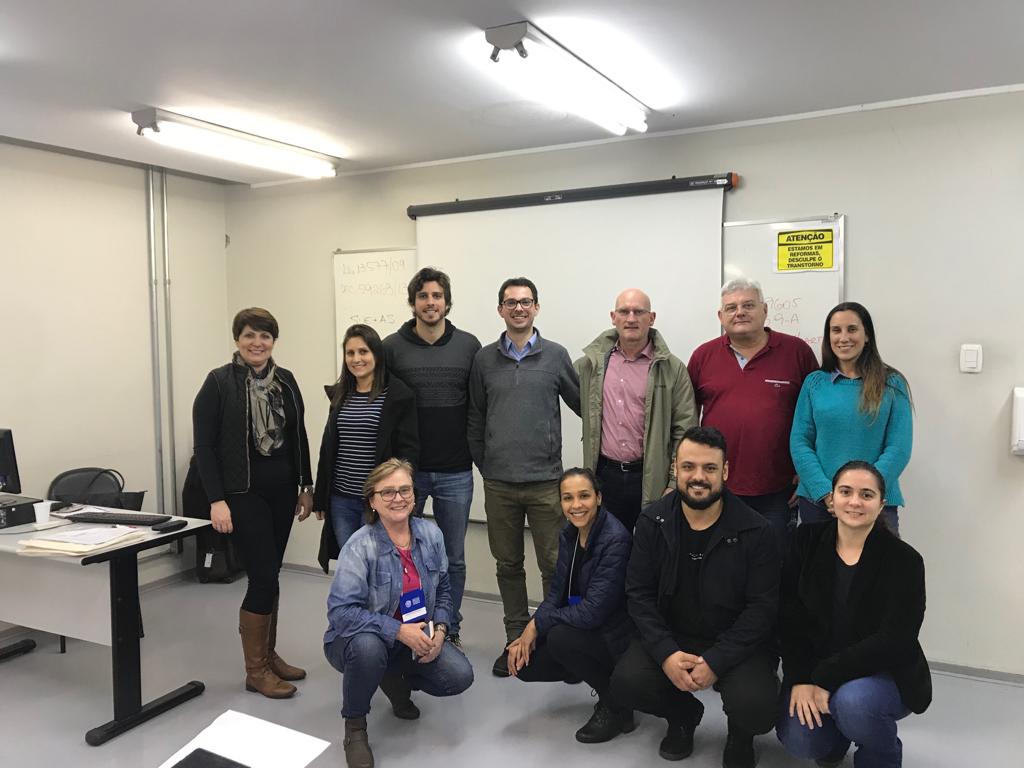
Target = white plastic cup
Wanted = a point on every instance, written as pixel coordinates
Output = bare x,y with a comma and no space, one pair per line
42,509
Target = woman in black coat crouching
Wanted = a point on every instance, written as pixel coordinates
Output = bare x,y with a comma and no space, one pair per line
582,628
852,605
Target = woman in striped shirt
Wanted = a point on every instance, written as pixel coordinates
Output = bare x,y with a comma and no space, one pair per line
372,418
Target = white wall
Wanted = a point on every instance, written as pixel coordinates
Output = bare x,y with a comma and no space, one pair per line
74,314
933,194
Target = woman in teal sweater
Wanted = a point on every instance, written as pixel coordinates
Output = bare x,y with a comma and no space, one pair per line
855,407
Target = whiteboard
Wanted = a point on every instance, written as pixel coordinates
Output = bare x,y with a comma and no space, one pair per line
581,255
798,302
370,288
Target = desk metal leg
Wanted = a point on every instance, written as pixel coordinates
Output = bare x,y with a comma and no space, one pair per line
129,711
16,649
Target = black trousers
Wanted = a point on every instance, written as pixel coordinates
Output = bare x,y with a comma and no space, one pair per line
570,653
621,492
262,521
749,691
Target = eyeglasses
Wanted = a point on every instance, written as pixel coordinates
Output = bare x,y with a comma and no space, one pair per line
636,312
732,309
388,494
511,303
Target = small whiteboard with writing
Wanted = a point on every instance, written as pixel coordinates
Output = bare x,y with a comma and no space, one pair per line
370,288
798,299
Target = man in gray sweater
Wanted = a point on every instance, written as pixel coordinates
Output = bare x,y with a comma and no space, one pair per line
515,437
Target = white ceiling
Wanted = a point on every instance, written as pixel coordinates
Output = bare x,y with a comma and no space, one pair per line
388,82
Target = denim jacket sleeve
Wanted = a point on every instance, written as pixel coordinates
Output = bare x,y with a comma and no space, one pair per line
347,602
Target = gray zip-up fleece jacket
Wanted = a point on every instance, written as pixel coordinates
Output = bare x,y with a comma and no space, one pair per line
515,424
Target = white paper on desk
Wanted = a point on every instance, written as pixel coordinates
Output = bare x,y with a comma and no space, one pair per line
89,536
253,742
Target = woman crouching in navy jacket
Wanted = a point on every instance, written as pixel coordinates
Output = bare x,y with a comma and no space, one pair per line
582,628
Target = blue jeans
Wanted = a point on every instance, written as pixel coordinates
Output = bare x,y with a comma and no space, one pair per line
813,512
347,516
452,494
364,658
864,711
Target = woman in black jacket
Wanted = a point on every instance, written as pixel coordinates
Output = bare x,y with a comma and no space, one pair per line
582,628
372,418
853,600
253,458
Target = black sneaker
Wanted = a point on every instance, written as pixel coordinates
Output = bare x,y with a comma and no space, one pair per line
678,741
739,750
500,668
605,724
398,691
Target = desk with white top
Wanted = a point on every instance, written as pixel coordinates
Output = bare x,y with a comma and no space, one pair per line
99,604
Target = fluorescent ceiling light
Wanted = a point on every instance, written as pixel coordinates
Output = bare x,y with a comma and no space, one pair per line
541,69
233,146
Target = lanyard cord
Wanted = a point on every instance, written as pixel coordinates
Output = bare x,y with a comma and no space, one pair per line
572,565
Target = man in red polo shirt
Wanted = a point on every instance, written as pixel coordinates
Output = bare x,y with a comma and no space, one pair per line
747,382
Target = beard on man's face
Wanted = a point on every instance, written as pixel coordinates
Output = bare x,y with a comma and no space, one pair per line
701,503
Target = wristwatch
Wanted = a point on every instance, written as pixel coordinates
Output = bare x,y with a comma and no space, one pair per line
441,626
306,489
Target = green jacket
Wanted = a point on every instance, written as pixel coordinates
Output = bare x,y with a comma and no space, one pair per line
669,408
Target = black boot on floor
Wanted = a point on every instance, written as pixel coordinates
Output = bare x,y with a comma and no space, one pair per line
739,750
678,741
398,692
605,724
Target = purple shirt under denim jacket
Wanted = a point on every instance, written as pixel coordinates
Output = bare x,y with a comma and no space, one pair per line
367,585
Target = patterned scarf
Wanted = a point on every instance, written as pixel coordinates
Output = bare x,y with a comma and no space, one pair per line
266,406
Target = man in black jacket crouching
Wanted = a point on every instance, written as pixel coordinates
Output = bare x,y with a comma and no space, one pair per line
702,588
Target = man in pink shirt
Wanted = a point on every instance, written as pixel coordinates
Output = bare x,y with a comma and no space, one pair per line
636,401
747,382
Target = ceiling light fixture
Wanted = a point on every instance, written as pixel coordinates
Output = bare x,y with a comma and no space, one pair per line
547,71
233,146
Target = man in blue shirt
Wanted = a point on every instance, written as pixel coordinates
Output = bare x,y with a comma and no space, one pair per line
515,436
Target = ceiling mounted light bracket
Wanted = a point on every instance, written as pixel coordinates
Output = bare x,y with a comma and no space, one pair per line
231,145
564,80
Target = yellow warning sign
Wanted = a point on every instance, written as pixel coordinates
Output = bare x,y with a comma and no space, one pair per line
805,249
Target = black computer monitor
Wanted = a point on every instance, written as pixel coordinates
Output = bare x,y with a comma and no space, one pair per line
9,480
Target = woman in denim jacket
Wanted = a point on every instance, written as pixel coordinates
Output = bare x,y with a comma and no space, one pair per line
390,590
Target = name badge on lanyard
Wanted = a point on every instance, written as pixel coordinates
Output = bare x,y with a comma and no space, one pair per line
413,606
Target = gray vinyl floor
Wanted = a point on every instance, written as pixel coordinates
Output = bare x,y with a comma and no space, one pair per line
48,701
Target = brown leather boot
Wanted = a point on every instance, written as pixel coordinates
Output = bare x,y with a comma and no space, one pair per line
357,744
254,629
279,666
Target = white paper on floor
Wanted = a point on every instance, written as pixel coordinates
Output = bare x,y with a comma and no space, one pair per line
253,742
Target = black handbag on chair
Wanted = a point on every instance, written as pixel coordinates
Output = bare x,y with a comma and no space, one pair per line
95,486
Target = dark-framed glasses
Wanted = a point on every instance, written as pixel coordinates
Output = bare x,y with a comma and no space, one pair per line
511,303
388,494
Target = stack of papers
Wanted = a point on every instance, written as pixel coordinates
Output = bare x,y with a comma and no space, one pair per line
80,541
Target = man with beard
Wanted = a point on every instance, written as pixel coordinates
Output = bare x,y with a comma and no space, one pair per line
434,358
702,588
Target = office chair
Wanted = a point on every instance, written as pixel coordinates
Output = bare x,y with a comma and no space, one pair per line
99,487
93,485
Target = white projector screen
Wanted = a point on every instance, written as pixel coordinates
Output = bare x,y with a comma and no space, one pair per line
580,256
